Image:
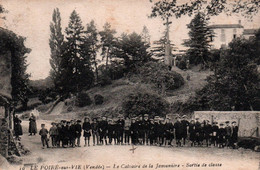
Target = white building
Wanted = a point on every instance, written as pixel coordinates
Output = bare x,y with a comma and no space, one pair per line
225,33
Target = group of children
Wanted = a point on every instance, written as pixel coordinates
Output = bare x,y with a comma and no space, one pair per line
141,131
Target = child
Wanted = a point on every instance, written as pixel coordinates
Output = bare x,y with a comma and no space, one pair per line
110,131
86,128
78,131
221,135
214,133
192,132
94,127
44,132
53,134
234,134
228,133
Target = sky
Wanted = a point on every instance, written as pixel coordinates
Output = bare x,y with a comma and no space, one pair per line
31,19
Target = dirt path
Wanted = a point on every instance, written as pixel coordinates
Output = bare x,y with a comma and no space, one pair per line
106,157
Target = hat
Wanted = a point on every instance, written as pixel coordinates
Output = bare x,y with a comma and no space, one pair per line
42,124
227,121
53,123
215,122
184,116
151,119
78,120
221,124
68,122
145,115
234,122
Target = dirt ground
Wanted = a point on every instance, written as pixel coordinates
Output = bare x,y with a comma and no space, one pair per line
121,157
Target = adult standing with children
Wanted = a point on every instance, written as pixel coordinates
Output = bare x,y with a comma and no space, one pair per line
32,125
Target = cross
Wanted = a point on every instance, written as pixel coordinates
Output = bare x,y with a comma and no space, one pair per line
133,149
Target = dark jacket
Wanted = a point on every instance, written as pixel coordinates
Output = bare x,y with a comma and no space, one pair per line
17,127
78,130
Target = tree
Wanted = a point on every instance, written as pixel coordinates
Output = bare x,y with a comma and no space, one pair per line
235,83
145,35
158,49
78,62
91,44
108,42
10,42
199,42
166,8
133,50
56,43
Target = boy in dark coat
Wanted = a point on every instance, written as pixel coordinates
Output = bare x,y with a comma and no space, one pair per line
207,132
146,128
185,125
127,130
87,130
44,138
178,131
134,131
168,132
214,133
151,132
32,125
234,134
198,131
110,131
120,126
72,133
94,128
103,130
59,138
228,134
192,132
221,135
78,130
161,132
156,130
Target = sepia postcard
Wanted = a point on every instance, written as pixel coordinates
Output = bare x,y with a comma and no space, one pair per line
129,84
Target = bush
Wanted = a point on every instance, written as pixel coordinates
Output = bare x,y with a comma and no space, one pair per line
99,99
83,99
140,103
160,75
114,71
181,64
105,80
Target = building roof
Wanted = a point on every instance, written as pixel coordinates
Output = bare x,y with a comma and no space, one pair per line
216,26
249,31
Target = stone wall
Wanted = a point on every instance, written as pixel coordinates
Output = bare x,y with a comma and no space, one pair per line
249,120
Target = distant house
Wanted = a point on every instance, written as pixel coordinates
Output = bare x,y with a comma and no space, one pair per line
225,33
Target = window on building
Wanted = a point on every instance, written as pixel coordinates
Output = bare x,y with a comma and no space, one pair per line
234,36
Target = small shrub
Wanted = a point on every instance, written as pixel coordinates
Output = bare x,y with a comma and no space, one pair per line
139,103
99,99
105,80
83,99
159,74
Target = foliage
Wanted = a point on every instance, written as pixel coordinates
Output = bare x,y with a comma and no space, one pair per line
104,80
9,41
140,103
132,50
169,8
83,99
158,49
145,35
114,70
99,99
235,83
91,45
108,42
78,62
160,76
199,42
56,43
